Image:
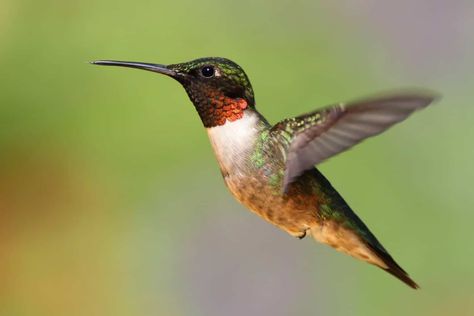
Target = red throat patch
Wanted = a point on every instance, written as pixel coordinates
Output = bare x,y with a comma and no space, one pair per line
222,109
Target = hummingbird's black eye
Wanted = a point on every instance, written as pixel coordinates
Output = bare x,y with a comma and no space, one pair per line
207,71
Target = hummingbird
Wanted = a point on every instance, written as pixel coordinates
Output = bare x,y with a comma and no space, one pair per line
271,170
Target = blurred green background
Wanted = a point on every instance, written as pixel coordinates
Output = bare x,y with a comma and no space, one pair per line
111,202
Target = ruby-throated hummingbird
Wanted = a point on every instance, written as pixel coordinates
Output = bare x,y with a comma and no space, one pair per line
270,169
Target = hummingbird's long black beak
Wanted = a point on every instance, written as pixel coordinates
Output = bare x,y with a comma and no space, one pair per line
162,69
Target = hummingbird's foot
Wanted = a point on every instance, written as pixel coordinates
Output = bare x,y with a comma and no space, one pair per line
302,235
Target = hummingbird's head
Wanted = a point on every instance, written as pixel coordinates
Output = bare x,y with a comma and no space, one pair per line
219,88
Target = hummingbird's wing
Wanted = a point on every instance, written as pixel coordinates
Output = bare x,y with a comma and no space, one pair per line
314,137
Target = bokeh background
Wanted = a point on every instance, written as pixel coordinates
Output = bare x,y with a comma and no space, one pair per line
111,202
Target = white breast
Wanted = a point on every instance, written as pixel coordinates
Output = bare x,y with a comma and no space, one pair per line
233,141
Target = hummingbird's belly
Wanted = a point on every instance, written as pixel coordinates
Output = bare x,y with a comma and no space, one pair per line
294,212
235,146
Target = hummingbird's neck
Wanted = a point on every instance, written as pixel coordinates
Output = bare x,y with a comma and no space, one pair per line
215,108
234,142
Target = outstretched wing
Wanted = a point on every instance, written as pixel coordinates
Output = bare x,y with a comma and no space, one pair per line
316,136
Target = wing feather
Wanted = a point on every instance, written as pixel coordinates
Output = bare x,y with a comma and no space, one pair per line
316,136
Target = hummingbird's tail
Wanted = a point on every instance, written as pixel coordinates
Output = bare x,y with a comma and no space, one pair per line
347,241
397,271
343,230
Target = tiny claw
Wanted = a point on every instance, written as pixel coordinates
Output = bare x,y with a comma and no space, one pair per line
303,235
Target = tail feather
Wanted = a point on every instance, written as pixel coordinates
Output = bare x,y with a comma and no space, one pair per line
348,241
343,230
394,269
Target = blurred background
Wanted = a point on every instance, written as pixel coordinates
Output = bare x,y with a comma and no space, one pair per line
111,202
